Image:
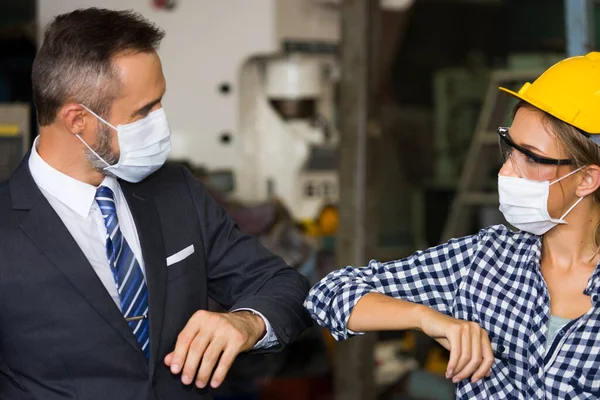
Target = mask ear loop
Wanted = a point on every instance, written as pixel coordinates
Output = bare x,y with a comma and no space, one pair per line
87,145
567,175
99,117
571,208
578,201
90,149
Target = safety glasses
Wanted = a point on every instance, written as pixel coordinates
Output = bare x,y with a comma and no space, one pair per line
525,162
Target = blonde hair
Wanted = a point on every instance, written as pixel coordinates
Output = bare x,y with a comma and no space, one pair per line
577,147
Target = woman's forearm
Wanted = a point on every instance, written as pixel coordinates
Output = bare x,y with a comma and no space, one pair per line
378,312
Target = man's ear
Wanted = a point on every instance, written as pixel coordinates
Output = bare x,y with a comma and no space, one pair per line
590,181
74,116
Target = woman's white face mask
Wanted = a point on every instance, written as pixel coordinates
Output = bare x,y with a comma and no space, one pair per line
524,203
144,146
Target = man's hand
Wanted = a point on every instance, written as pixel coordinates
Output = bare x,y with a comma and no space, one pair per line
208,336
470,349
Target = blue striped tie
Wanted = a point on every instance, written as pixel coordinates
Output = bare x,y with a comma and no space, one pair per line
126,271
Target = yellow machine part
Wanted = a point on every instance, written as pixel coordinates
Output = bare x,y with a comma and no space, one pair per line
9,130
328,220
325,224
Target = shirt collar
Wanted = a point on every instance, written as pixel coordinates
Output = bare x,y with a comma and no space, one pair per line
593,283
76,195
528,249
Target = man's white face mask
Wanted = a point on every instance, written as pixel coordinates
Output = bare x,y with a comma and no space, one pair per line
524,203
144,146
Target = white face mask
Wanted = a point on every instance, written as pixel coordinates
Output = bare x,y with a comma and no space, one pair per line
144,146
524,203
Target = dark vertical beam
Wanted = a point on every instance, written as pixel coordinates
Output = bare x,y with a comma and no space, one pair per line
357,231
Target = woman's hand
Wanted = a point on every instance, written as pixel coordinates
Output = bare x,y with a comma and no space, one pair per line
469,345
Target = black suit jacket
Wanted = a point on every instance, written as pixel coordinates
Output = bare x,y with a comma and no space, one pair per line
62,336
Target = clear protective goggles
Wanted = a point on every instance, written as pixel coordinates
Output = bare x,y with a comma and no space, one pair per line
525,162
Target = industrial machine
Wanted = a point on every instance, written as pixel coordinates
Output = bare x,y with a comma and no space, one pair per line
287,131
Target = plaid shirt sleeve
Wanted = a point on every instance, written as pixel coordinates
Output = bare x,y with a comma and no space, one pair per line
429,277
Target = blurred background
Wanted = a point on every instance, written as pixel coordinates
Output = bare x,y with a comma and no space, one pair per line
337,131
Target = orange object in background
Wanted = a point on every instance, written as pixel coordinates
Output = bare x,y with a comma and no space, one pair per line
328,220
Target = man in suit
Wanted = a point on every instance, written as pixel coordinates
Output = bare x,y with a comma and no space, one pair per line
108,256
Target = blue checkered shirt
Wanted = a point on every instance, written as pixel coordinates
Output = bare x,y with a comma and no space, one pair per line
492,278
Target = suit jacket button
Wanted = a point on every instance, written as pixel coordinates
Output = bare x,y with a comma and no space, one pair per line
153,381
288,331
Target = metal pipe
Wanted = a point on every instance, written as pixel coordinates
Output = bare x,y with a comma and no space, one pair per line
579,18
354,364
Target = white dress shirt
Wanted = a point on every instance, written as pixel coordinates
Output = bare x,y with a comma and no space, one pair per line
75,203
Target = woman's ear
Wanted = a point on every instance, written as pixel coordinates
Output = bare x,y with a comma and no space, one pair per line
590,181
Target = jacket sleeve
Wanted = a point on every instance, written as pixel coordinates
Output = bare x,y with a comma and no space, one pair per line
9,387
428,277
242,274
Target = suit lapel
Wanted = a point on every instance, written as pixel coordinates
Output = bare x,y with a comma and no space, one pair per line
45,228
145,214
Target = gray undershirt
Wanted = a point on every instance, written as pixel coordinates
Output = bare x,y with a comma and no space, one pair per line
554,326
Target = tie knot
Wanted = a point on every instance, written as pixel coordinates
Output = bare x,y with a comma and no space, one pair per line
105,192
106,200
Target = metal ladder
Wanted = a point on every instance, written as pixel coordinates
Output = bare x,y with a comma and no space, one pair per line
477,187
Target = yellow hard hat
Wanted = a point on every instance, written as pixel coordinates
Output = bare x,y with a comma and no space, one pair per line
570,91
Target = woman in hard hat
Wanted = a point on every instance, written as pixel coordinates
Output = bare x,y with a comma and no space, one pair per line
519,311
